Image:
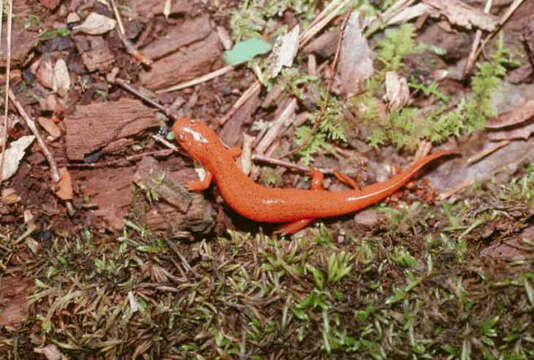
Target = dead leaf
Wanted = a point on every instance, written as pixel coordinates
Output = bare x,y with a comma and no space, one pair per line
355,63
65,191
284,51
514,117
523,132
13,155
45,72
397,92
50,126
10,196
61,81
96,24
461,14
51,352
14,294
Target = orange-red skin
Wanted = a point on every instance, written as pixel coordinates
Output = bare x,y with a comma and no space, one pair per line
279,205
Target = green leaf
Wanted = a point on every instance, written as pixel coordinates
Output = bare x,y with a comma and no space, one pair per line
246,50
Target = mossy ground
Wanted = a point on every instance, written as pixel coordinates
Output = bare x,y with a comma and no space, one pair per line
413,287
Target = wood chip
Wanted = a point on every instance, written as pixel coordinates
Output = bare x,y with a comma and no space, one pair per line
189,62
355,63
96,54
284,51
178,36
461,14
90,127
65,191
50,126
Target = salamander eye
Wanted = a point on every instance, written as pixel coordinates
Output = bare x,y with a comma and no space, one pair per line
181,137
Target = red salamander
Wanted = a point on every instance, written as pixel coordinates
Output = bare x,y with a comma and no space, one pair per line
295,207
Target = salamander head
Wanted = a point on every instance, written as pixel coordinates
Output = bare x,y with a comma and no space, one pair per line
194,137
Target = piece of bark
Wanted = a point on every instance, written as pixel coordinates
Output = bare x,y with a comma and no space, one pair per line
95,52
188,63
23,41
149,8
93,126
152,177
14,294
178,36
109,190
233,128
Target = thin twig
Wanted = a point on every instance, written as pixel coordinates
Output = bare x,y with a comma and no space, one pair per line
482,154
199,80
31,124
145,98
478,35
124,160
8,70
513,7
130,47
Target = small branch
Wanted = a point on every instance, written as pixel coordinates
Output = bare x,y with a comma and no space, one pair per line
31,124
482,154
127,159
8,70
478,35
130,47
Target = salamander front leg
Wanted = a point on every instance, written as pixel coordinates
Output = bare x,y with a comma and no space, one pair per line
201,185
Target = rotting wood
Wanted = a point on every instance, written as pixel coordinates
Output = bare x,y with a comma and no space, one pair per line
93,126
152,177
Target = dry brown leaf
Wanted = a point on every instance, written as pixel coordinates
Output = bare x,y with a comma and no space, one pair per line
397,92
516,133
13,155
10,196
514,117
45,72
96,24
461,14
355,63
408,14
50,126
65,191
61,81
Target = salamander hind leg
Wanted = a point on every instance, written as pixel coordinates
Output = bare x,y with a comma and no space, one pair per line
293,227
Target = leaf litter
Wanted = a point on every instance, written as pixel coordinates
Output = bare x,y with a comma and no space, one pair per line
118,270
